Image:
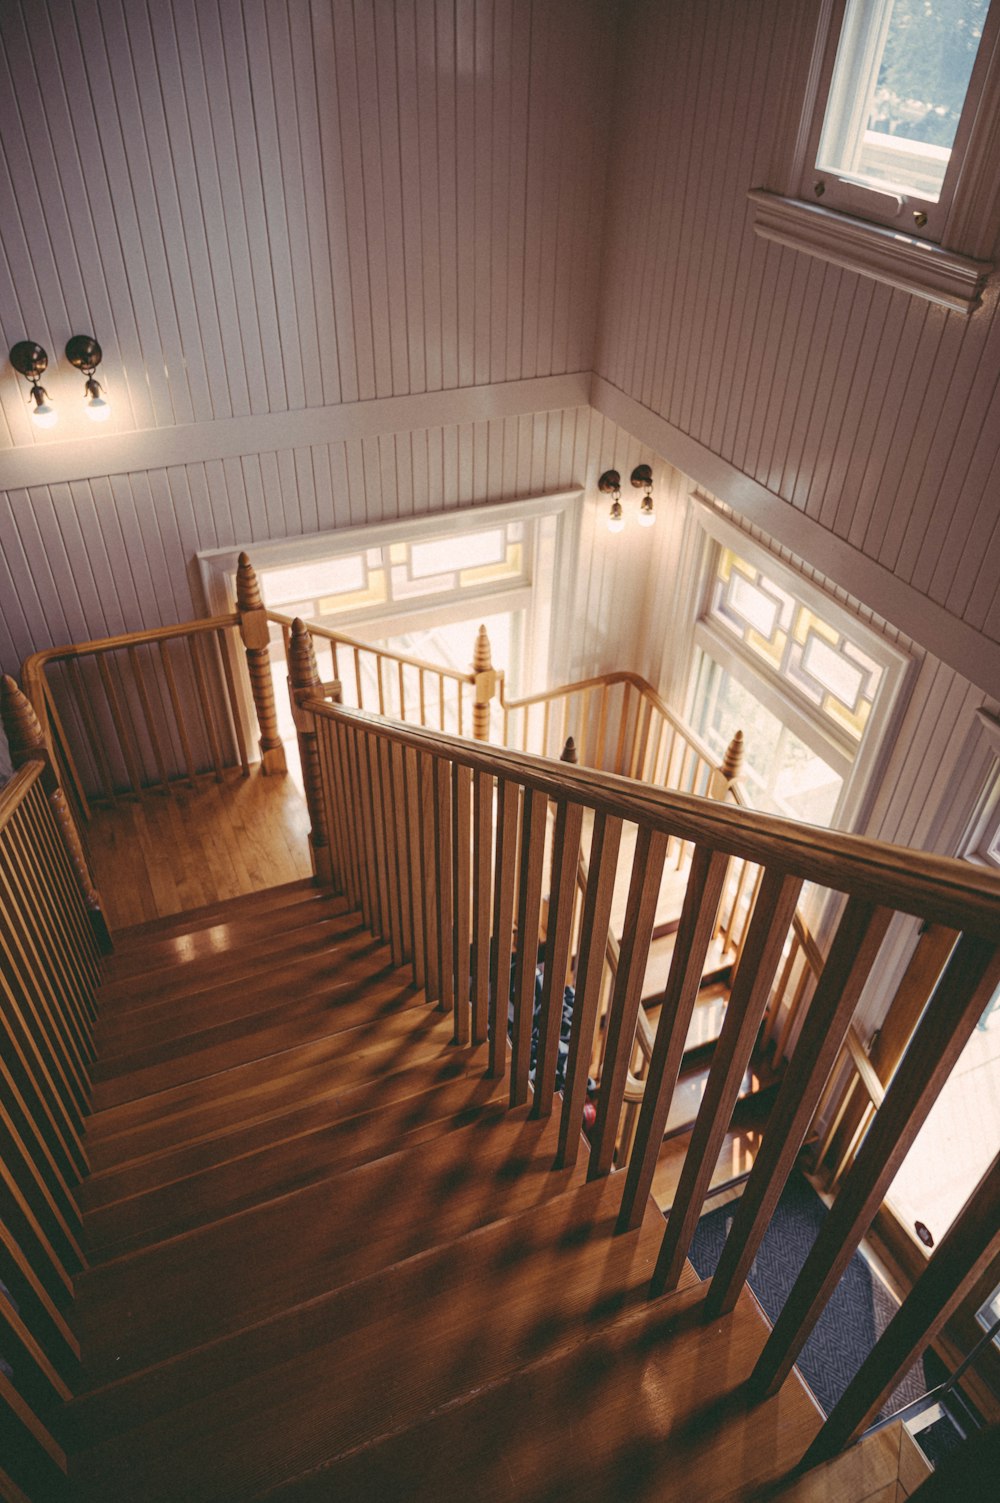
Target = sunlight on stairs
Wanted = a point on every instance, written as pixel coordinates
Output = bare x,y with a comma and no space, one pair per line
328,1262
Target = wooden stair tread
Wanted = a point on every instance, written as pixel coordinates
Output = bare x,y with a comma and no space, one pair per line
138,1310
736,1156
230,996
184,977
225,931
388,1339
277,1031
647,1409
283,1164
219,1044
202,1132
266,898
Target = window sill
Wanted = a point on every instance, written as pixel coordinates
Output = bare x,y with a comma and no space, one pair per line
916,266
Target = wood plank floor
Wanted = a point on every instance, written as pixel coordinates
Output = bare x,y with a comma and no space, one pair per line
165,853
326,1261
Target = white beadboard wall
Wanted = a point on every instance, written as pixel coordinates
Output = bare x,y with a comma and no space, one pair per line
873,413
97,557
261,208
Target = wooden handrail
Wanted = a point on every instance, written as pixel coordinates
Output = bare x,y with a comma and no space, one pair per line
394,799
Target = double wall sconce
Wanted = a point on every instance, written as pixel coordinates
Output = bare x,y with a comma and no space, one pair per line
610,484
31,361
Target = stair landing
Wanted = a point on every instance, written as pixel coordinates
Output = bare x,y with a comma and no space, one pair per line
327,1262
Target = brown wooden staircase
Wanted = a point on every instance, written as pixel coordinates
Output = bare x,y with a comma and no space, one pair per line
327,1261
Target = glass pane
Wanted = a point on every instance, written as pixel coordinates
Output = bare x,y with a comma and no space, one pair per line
468,552
783,775
901,76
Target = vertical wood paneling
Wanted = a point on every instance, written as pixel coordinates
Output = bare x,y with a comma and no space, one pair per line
874,412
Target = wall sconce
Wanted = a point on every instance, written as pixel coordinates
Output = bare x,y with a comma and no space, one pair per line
30,360
611,485
86,354
642,476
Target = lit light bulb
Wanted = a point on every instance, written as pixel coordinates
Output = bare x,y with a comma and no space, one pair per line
43,414
615,519
647,516
95,406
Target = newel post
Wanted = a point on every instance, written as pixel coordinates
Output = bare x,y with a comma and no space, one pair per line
728,770
568,753
256,636
486,685
26,741
305,683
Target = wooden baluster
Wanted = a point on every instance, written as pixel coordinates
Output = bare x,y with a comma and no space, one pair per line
82,700
604,846
118,720
349,810
28,1052
305,684
26,743
640,914
373,833
461,865
399,814
222,646
256,636
149,718
52,852
971,978
443,882
175,701
204,700
968,1248
764,944
333,806
482,862
694,935
381,762
565,862
485,685
619,765
428,832
504,884
534,817
852,956
411,771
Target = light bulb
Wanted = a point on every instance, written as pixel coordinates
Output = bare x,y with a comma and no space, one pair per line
647,515
95,406
615,519
43,414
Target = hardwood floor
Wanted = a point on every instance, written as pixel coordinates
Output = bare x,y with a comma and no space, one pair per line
169,852
327,1261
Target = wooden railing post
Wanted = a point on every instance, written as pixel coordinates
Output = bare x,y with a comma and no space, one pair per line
568,753
485,684
256,635
305,683
26,741
728,770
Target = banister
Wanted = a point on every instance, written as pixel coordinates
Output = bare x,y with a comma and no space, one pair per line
941,888
127,639
328,634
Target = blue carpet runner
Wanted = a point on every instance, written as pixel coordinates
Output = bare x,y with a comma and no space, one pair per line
855,1317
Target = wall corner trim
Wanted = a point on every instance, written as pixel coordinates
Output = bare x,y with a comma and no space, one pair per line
961,646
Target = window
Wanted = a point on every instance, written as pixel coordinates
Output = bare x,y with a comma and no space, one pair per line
898,98
812,689
892,170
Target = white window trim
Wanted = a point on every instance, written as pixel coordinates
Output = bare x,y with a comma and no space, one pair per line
859,781
952,273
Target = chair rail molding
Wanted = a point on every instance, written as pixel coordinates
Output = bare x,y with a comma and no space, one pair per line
230,438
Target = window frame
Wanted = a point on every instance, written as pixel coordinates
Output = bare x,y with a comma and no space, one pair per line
948,262
861,763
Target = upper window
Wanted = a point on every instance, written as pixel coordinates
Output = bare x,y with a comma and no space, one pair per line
886,157
894,120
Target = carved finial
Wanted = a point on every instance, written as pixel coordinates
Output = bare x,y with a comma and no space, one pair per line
569,752
302,667
20,723
733,760
482,653
248,596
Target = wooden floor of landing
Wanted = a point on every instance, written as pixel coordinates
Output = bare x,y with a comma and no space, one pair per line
165,853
